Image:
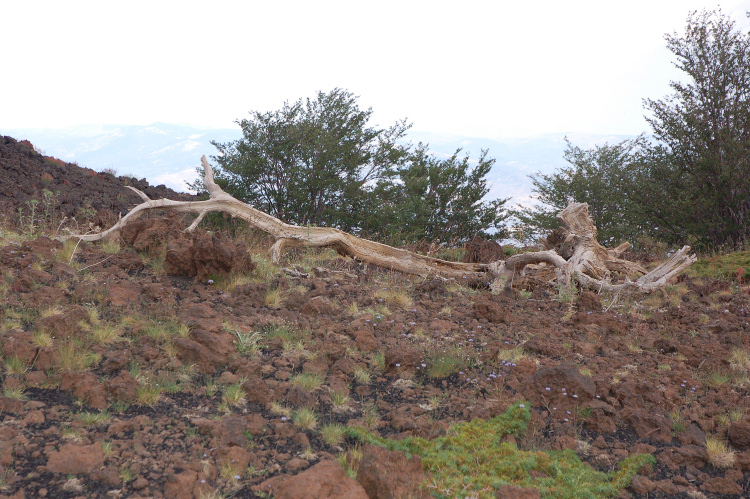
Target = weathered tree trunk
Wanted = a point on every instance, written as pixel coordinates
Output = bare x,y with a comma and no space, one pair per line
580,257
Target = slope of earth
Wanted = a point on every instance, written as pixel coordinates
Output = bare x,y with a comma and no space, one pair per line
122,377
47,191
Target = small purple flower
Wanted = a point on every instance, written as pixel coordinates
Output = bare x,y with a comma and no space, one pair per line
210,281
546,389
398,365
521,406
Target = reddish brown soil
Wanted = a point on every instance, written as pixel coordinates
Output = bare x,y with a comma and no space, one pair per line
603,382
78,192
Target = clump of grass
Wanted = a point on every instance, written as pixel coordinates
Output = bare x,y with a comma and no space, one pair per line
93,418
169,382
716,378
230,471
233,280
378,361
339,399
332,433
362,375
353,308
472,460
350,461
72,356
234,395
42,339
15,392
678,423
739,359
305,419
296,349
719,453
14,365
273,298
370,415
211,387
148,394
155,260
285,332
307,381
265,269
107,448
247,344
450,361
280,409
107,334
67,252
395,297
126,475
50,311
72,434
110,247
514,354
162,330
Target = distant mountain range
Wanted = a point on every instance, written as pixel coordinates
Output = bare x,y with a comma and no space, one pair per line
169,154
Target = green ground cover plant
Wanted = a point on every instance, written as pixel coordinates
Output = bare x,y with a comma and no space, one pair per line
472,459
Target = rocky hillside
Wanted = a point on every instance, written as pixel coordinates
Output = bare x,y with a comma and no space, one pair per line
172,365
64,189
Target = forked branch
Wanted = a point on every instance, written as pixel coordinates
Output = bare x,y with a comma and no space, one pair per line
589,264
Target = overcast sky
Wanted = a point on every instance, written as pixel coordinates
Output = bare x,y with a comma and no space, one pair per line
475,68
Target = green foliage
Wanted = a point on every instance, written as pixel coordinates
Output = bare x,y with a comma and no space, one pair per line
441,364
701,175
472,459
429,199
309,162
319,163
691,185
603,177
732,266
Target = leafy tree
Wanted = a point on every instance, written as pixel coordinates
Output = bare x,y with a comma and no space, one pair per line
309,162
604,177
318,162
704,128
438,200
692,184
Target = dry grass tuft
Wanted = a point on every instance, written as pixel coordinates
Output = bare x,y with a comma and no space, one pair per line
719,453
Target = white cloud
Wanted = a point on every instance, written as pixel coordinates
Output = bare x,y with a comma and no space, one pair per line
175,180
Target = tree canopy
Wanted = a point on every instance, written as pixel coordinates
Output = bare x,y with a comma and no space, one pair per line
690,183
307,162
438,200
319,162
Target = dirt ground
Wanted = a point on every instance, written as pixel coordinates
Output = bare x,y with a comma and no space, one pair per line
130,371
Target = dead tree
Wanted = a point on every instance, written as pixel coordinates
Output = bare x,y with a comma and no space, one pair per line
577,258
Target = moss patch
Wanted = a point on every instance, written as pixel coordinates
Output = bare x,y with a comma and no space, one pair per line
472,458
